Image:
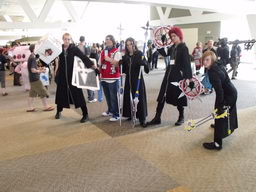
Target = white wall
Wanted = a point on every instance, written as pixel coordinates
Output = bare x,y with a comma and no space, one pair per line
190,38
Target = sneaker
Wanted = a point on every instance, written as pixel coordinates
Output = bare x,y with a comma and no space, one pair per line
106,114
114,119
5,94
93,101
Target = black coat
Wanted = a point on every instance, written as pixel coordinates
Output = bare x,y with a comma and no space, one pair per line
226,95
174,73
66,93
131,67
223,55
212,49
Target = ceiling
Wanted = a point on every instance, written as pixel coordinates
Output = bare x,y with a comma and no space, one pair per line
13,8
46,14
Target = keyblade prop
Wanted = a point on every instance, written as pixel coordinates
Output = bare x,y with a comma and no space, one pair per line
135,101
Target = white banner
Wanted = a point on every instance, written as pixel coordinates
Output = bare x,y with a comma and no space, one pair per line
83,77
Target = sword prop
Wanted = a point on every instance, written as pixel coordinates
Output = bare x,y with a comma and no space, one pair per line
133,110
192,124
121,95
137,93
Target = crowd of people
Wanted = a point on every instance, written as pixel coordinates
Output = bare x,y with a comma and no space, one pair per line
113,59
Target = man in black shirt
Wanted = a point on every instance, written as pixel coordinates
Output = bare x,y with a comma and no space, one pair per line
37,88
2,72
210,47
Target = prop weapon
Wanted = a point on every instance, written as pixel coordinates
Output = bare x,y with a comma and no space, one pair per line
190,93
192,124
161,36
137,94
248,44
121,93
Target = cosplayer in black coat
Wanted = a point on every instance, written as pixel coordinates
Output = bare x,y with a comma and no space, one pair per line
223,52
131,67
67,93
174,73
226,95
179,69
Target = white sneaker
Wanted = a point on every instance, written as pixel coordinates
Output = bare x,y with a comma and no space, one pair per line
106,114
114,119
93,101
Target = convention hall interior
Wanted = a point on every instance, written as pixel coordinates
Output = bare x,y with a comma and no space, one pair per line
127,96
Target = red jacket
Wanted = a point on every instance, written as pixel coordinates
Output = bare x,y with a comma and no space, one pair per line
107,70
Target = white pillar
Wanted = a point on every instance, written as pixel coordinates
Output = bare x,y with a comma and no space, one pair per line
251,22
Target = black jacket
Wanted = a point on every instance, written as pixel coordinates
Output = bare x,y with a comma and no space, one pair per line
213,50
226,95
223,54
131,67
66,93
174,73
2,62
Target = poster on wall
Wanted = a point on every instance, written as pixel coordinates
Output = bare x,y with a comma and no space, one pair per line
83,77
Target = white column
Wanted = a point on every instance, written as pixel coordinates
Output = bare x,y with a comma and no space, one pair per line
251,22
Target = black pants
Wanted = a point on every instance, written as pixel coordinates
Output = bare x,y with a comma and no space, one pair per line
83,108
217,138
16,79
154,60
160,107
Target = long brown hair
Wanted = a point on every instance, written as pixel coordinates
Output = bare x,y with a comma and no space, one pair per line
133,44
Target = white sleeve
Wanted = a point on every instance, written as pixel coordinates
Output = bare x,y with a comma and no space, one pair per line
118,56
99,61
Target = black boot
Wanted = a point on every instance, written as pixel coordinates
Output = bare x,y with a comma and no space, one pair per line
57,116
211,146
180,120
84,119
156,120
143,123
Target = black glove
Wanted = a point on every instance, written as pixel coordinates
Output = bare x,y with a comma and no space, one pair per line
191,85
220,110
97,72
163,38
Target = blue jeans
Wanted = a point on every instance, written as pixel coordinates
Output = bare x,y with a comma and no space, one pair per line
90,94
110,92
100,94
167,61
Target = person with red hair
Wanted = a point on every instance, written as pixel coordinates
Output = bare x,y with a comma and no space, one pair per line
178,69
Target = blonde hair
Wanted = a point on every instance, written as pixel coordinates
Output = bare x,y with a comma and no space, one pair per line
209,53
66,34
